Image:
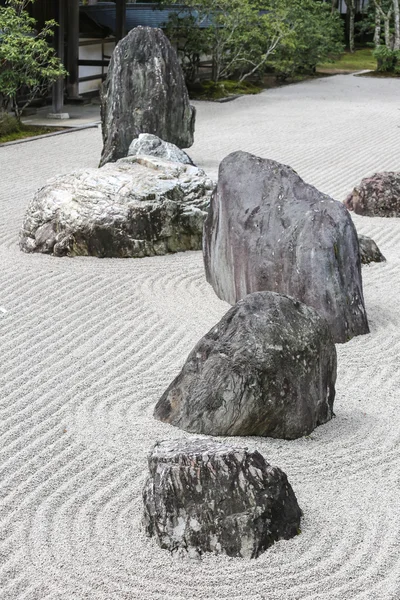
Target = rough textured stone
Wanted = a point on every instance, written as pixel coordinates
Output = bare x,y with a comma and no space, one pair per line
151,145
369,251
139,206
269,230
203,496
144,92
267,368
376,196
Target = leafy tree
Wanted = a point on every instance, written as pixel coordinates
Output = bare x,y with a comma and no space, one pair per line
238,35
315,34
28,63
243,37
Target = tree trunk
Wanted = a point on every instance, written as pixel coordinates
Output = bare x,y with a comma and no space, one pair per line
351,29
396,45
378,28
351,8
387,31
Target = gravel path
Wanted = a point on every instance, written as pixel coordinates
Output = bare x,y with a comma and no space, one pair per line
87,346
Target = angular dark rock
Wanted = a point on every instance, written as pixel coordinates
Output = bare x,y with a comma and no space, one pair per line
267,368
138,206
369,251
144,92
151,145
376,196
269,230
204,496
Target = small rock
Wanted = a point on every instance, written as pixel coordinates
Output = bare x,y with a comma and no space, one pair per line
376,196
204,496
369,251
267,368
151,145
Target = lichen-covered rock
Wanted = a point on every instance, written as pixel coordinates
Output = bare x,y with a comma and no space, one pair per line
204,496
151,145
144,92
138,206
369,251
267,368
376,196
269,230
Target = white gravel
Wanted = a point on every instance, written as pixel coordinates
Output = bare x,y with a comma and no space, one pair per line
87,346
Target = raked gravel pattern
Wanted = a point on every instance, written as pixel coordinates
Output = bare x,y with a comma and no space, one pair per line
87,346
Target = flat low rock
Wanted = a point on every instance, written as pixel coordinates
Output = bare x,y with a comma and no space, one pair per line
151,145
269,230
204,496
376,196
268,368
369,251
144,92
138,206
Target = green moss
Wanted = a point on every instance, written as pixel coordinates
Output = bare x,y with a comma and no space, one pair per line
357,61
210,90
26,131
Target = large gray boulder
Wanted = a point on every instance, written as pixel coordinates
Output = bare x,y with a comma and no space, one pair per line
151,145
138,206
144,92
376,196
267,368
369,251
203,496
269,230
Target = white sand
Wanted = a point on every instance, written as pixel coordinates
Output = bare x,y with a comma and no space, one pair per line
87,346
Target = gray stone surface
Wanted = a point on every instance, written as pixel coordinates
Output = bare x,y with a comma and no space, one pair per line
138,206
267,368
369,251
144,92
204,496
376,196
151,145
269,230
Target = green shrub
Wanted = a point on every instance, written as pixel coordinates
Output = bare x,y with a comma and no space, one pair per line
8,124
388,60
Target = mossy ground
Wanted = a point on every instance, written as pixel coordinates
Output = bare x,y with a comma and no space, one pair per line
26,131
210,90
360,60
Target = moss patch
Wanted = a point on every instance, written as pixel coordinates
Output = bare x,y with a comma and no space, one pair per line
26,131
360,60
382,74
210,90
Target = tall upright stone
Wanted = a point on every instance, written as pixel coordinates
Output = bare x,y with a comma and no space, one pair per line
269,230
144,92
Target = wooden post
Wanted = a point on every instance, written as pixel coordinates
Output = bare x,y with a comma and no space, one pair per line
120,17
73,49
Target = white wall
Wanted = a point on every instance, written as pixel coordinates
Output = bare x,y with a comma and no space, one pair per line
92,53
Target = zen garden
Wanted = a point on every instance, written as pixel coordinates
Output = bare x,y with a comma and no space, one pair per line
200,300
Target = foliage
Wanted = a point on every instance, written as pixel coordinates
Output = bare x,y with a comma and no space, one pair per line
191,42
243,37
316,35
8,124
388,60
28,63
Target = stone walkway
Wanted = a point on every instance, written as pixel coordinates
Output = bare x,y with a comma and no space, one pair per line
87,346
